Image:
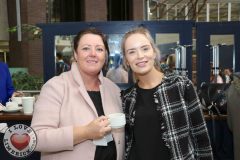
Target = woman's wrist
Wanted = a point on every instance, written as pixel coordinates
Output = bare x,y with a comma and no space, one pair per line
79,134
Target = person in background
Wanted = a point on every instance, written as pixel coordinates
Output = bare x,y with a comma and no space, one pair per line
6,86
233,111
216,78
71,111
164,119
117,73
61,66
171,60
228,76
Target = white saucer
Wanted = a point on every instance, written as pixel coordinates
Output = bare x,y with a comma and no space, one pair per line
12,110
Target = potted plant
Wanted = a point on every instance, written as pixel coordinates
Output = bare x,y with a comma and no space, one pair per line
25,81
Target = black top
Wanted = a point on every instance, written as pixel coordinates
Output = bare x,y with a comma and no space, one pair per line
148,143
102,152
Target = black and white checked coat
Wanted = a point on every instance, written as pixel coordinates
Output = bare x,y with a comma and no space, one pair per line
184,127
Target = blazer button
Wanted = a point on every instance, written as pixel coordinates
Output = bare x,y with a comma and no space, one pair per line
118,141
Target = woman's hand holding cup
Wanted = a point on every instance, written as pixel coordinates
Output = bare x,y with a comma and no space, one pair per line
98,128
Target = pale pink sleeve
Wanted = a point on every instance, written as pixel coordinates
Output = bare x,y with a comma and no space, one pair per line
46,119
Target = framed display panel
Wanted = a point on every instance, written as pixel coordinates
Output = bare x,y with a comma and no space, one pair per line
225,34
114,30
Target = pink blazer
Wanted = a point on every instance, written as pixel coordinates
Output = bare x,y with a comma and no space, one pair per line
64,103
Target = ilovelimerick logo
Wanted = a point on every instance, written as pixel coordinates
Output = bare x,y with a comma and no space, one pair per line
20,140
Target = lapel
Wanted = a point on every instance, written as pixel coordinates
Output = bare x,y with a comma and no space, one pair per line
103,91
81,87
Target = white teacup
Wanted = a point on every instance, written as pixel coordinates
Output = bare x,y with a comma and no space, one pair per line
117,120
17,99
11,105
27,103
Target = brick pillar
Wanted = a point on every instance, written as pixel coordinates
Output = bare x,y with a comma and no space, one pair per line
36,14
95,10
194,69
138,9
27,53
3,20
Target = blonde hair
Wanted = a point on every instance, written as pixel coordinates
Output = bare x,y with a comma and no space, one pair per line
146,33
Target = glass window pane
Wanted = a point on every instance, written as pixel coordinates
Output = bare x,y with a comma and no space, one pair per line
162,11
221,57
115,69
213,15
63,53
223,11
171,12
235,12
181,11
167,42
202,12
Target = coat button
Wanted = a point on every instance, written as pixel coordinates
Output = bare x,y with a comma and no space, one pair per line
118,141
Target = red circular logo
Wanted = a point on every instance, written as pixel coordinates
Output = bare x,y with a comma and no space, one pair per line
20,140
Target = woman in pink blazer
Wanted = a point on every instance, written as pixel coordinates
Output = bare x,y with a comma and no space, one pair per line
70,113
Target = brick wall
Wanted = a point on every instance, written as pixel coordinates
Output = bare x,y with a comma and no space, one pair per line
138,9
194,69
95,10
27,53
36,11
